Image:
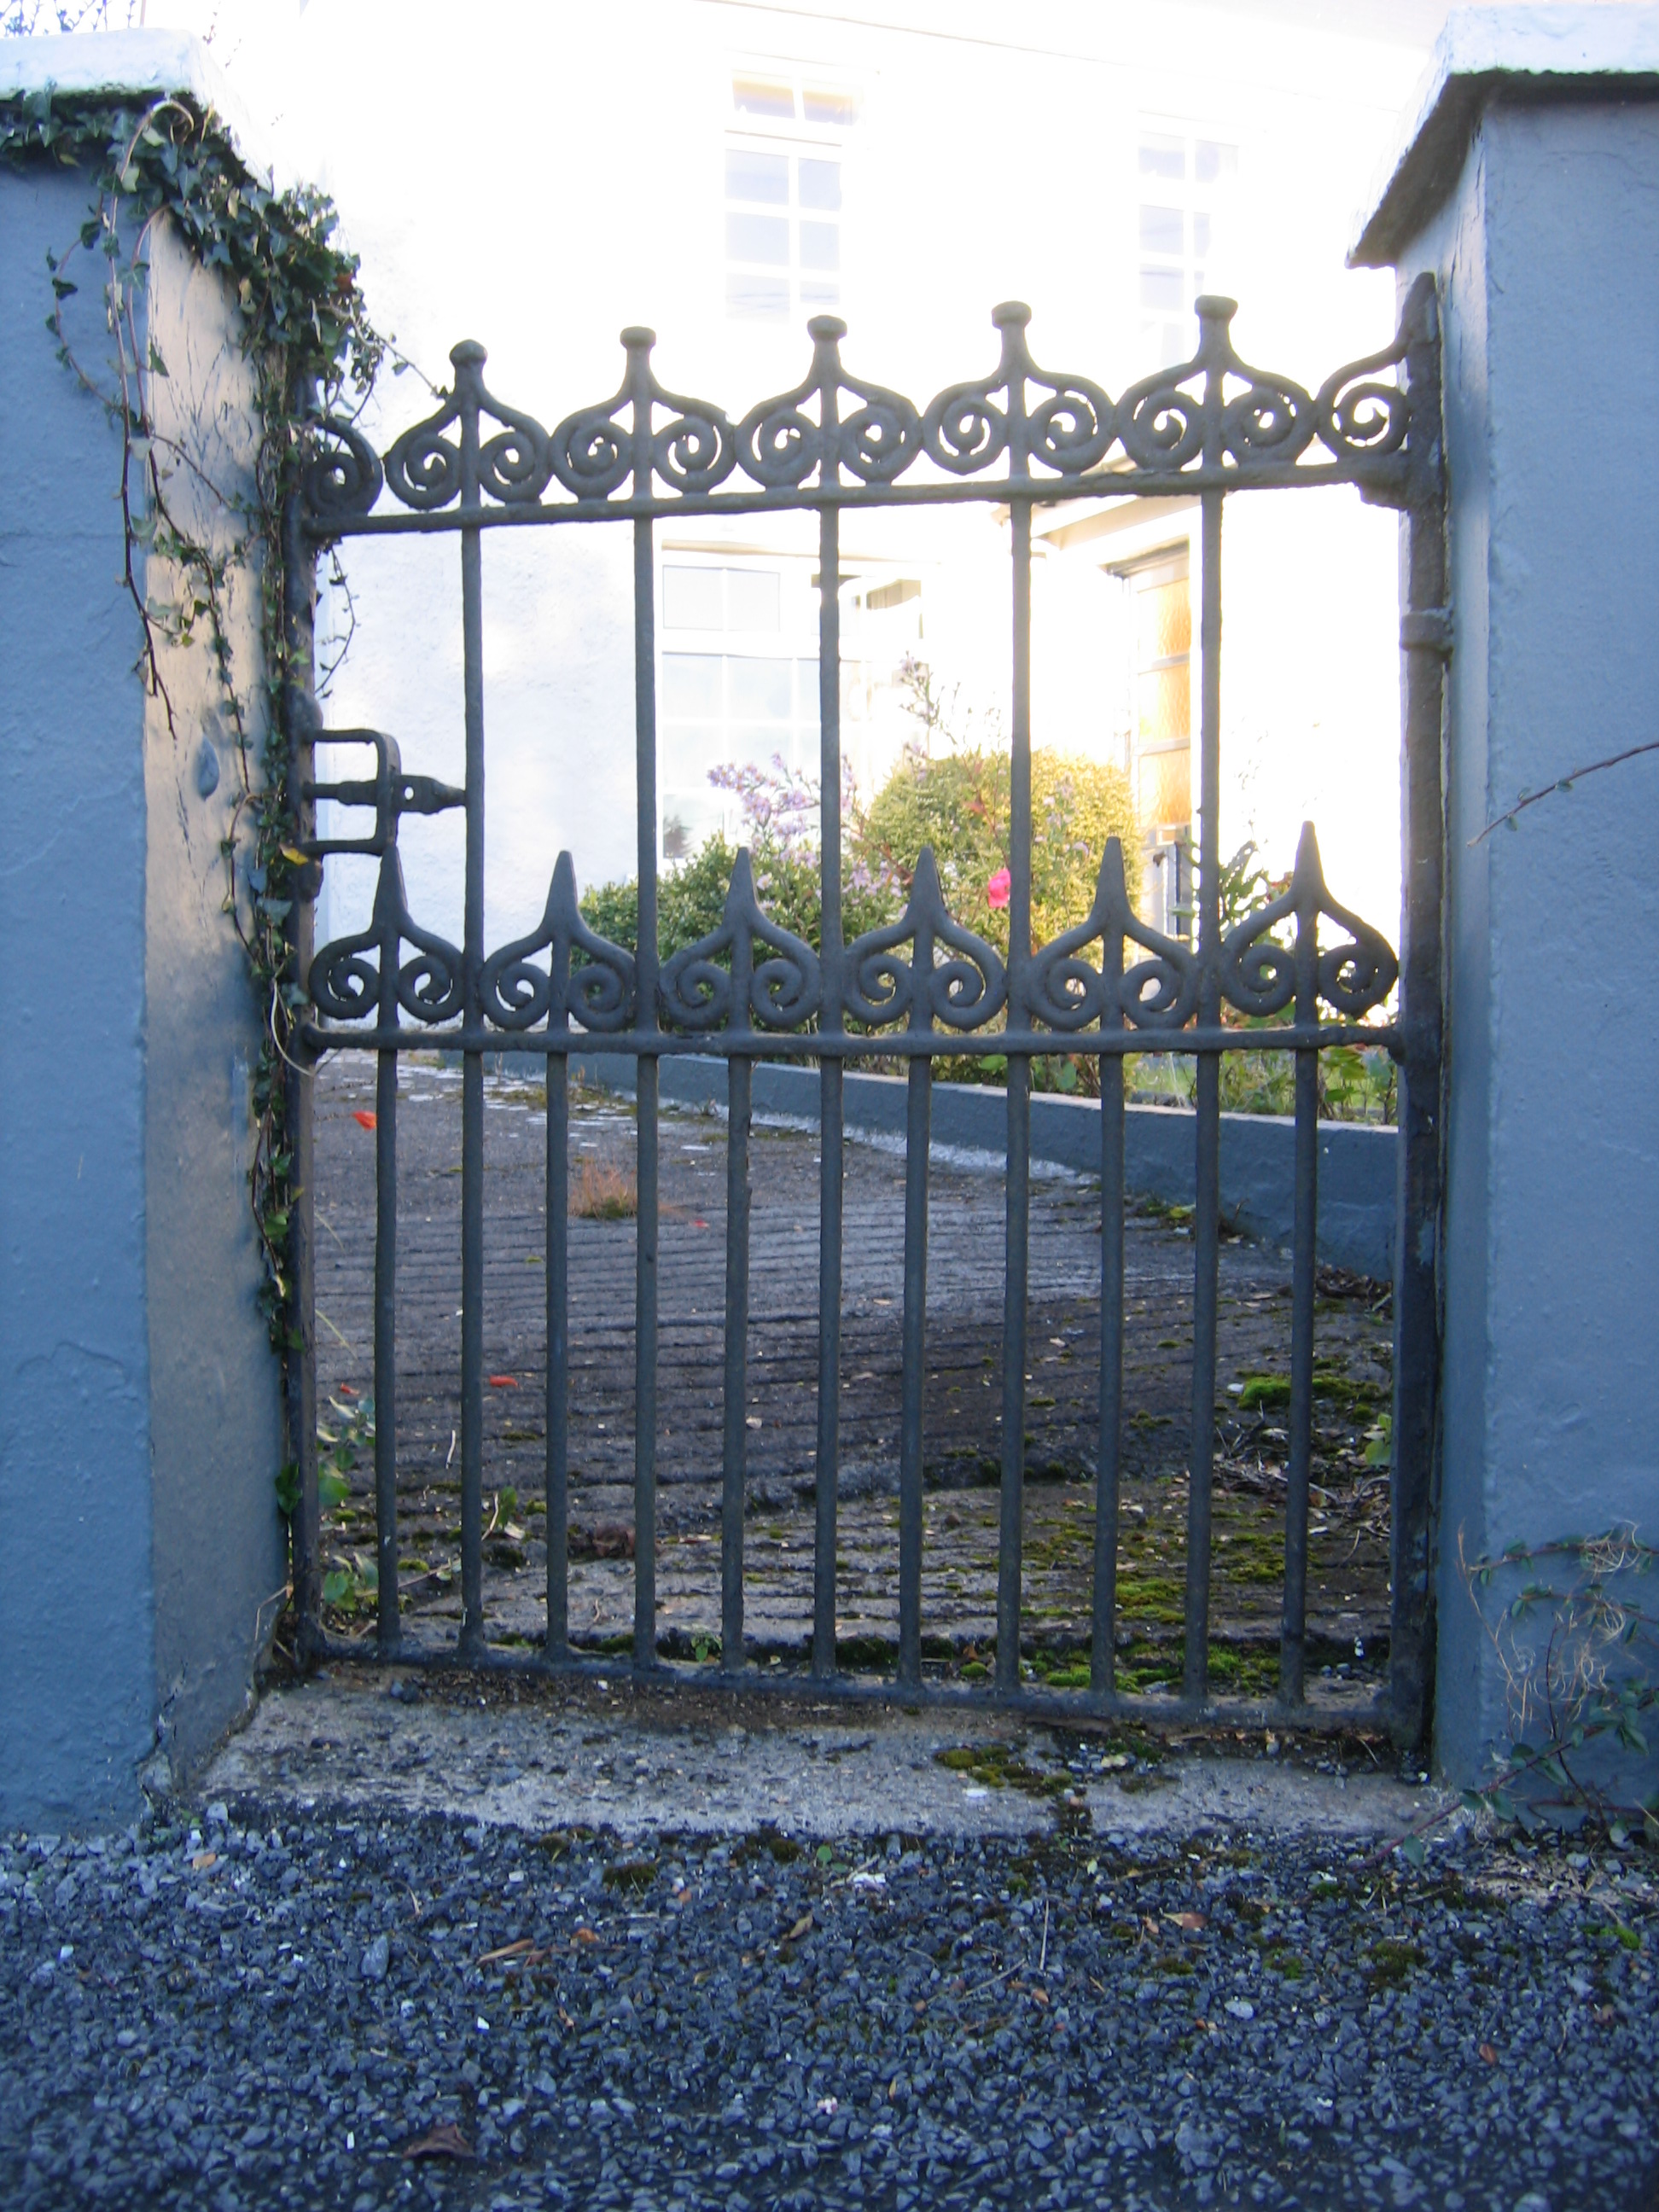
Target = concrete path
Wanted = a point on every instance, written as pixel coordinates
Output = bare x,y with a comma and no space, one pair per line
642,1763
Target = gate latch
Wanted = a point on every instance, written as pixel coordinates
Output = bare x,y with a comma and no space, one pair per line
389,791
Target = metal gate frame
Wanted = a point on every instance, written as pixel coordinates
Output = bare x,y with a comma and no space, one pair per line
1019,437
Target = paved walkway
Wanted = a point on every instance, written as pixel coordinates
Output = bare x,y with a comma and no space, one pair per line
1348,1579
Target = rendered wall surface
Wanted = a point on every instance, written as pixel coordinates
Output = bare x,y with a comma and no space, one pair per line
1545,245
76,1603
139,1410
216,1415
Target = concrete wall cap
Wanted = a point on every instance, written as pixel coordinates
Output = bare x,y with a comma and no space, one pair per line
1536,53
131,65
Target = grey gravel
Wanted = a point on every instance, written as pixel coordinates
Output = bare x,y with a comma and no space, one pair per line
273,2010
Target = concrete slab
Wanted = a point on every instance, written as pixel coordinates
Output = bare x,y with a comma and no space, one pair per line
609,1756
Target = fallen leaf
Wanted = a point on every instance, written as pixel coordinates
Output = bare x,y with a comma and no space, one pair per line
366,1120
446,2142
504,1381
585,1936
700,1225
507,1951
203,1859
1040,1996
802,1927
565,2020
1192,1922
892,2090
1489,2052
1149,1925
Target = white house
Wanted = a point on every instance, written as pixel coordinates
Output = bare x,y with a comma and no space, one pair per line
722,170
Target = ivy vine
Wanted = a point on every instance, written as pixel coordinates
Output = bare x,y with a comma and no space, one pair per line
305,332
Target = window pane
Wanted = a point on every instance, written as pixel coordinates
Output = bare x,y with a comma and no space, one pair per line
1163,621
1201,235
820,246
1162,230
1164,289
1162,157
691,599
767,296
761,691
1166,785
1211,161
751,598
1166,709
820,184
818,292
757,238
758,176
691,685
839,107
753,96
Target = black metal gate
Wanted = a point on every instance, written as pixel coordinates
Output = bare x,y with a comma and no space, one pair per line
926,985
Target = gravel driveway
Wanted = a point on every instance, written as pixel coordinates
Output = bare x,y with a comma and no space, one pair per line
290,1999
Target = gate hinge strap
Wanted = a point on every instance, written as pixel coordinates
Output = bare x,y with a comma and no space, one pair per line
1427,627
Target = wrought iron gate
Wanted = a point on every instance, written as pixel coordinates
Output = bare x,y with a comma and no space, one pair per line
924,986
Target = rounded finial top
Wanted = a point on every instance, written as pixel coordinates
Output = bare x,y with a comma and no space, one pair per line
637,334
1012,314
826,327
1214,306
467,355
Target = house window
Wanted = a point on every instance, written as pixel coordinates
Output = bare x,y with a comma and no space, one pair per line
784,162
738,686
1161,735
1185,183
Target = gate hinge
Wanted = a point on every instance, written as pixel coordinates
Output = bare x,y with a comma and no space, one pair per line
1429,628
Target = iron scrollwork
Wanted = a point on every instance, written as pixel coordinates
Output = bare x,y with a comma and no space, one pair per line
346,985
1069,992
1214,416
961,993
600,990
782,993
1261,975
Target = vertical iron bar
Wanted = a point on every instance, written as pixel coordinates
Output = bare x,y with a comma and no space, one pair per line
645,1222
1017,1212
638,340
739,1078
300,709
468,359
558,1645
1102,1652
1426,638
1207,1213
918,1139
1303,1277
388,1623
832,1095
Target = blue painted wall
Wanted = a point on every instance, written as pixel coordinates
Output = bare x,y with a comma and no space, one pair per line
76,1610
142,1555
1546,249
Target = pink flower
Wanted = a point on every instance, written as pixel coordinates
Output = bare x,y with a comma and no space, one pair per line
996,891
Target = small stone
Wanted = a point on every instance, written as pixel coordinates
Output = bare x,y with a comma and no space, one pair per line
376,1958
1240,2008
